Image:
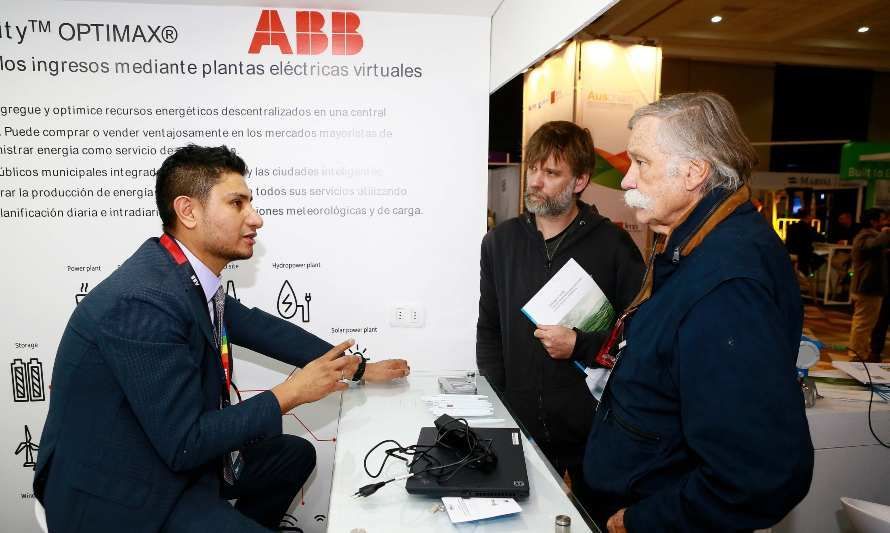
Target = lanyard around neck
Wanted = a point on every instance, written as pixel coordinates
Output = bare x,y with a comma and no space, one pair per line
175,251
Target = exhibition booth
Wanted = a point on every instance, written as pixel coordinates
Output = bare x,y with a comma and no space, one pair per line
364,130
365,133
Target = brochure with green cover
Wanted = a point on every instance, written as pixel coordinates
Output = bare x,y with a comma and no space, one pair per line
572,299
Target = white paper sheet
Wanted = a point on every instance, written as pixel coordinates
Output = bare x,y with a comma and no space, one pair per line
880,372
470,509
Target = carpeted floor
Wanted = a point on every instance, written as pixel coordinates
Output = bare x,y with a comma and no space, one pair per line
831,325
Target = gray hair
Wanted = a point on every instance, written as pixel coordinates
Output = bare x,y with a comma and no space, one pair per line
703,126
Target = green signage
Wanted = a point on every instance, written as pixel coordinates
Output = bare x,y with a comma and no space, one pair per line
865,161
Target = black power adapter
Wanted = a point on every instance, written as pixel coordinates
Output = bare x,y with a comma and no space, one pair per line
458,435
453,434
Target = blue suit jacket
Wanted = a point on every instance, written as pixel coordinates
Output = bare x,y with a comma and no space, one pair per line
133,415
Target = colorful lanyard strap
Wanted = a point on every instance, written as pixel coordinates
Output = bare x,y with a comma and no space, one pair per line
225,357
172,247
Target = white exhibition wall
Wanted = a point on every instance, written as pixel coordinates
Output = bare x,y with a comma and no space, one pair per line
336,129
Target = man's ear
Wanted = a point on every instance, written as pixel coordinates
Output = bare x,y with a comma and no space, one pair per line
698,171
581,183
185,208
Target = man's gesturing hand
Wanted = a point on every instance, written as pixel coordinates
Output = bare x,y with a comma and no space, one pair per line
317,379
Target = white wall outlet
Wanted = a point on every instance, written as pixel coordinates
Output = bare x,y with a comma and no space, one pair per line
406,316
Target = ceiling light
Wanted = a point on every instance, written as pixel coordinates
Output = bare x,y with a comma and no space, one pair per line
599,53
863,29
716,18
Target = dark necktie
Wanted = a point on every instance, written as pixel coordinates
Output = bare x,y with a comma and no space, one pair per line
232,460
219,307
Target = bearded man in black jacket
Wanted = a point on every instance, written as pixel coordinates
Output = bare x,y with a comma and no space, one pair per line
538,369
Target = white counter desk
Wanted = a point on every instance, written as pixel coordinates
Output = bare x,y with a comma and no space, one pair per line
376,412
848,462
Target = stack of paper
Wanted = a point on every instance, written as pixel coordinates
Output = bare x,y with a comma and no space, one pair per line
875,375
459,405
844,392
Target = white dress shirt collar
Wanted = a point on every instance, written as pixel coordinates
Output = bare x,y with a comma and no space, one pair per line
210,282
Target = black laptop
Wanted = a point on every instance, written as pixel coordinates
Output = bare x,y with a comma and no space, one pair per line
507,479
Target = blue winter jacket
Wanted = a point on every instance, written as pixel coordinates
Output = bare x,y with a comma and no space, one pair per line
702,424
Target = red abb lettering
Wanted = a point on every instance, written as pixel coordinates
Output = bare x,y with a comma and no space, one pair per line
269,31
347,41
311,38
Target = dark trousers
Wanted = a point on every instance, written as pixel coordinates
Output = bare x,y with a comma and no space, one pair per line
274,471
879,333
569,459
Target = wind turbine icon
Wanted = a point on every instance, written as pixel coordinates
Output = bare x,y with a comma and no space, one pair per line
29,448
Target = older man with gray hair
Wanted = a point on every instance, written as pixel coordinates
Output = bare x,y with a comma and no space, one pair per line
701,426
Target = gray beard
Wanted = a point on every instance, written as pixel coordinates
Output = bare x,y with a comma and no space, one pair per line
551,207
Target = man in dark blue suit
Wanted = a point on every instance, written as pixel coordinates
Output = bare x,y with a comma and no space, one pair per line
141,435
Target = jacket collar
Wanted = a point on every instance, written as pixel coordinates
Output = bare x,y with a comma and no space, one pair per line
711,210
194,296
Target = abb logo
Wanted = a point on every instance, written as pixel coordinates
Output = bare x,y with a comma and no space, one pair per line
311,38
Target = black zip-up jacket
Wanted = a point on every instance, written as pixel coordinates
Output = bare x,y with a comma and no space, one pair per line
549,396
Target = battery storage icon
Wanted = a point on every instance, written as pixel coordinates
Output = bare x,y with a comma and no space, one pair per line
27,380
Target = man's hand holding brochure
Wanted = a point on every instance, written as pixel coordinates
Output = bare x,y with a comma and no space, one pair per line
573,300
